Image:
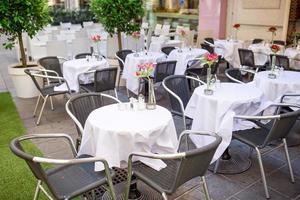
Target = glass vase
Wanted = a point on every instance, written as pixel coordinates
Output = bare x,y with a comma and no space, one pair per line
272,74
136,54
208,90
151,104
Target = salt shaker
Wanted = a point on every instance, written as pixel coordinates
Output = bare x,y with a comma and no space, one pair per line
141,102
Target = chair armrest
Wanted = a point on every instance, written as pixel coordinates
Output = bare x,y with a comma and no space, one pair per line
289,95
53,135
210,44
60,58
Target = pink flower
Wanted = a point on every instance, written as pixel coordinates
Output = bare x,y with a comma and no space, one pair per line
182,32
211,57
96,38
136,35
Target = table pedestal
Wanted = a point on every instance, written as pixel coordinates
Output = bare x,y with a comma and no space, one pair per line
231,163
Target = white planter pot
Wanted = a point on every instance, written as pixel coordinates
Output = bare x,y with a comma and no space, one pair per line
24,85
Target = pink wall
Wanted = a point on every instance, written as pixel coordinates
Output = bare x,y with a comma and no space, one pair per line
212,16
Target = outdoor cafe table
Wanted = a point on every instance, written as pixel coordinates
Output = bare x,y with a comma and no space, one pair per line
114,134
287,82
182,56
131,63
73,68
215,113
294,55
229,50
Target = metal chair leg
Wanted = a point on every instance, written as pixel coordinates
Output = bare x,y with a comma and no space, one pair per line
51,103
37,190
164,196
36,105
116,93
217,166
119,80
205,188
262,171
288,160
41,111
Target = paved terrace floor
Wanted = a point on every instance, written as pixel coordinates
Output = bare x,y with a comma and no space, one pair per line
247,185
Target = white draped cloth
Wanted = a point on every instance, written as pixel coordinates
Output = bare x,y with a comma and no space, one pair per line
156,45
215,113
131,64
286,83
114,134
294,55
73,68
182,56
229,50
261,53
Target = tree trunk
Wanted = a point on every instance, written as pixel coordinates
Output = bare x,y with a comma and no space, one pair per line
22,50
119,40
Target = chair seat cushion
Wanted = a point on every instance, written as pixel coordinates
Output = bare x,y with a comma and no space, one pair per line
162,180
72,180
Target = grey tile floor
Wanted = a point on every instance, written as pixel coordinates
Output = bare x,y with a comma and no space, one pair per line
246,185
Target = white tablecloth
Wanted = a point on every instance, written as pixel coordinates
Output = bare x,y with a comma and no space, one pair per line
130,67
216,113
183,57
156,46
229,50
286,82
261,53
73,68
293,54
115,134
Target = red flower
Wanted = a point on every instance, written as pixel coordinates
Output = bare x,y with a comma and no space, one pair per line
272,29
136,35
211,57
275,48
182,32
236,26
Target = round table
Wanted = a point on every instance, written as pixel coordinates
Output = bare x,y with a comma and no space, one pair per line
73,68
215,113
182,56
130,67
261,53
229,50
273,89
114,134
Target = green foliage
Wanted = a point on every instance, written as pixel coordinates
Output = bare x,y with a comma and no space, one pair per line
118,15
17,16
59,14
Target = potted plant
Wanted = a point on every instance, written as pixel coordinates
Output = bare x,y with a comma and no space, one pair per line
118,16
18,17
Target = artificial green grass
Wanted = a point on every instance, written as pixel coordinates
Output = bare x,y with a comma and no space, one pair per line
16,180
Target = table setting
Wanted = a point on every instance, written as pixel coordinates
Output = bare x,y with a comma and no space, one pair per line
182,56
117,130
132,62
72,69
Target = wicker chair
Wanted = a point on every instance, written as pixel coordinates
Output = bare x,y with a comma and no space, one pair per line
281,61
121,56
72,178
247,59
47,91
80,106
82,55
51,63
178,88
181,167
167,50
276,129
238,75
104,80
279,42
257,41
209,40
